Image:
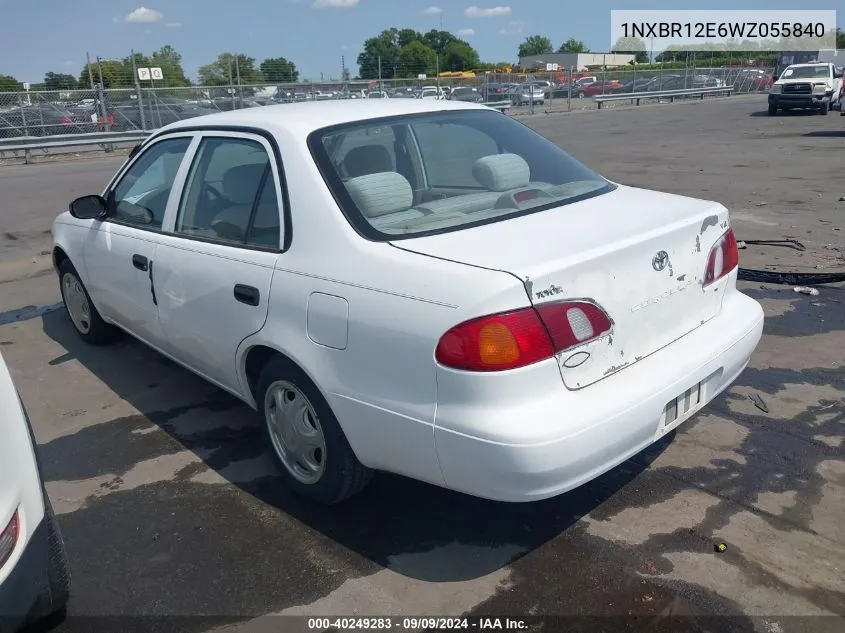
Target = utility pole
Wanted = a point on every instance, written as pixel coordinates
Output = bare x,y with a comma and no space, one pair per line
379,73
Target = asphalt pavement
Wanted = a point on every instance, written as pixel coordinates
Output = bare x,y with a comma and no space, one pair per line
174,517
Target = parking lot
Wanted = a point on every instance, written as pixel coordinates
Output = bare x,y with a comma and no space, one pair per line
170,506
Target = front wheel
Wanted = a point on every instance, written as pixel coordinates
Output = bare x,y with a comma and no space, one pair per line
773,110
305,438
824,109
83,313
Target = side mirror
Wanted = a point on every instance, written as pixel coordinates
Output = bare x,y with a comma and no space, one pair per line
89,208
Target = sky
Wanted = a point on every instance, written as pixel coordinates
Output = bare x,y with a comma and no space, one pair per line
37,36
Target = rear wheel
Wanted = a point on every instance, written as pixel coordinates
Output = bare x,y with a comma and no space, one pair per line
52,601
305,438
81,310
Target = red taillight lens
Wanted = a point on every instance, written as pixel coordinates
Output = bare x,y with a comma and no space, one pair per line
8,539
724,257
515,339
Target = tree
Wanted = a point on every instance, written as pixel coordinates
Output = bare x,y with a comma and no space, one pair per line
60,81
226,70
415,58
840,39
631,46
535,45
383,47
573,46
279,70
115,74
458,55
406,36
170,63
439,40
10,84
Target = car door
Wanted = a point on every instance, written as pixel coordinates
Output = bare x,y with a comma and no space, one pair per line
118,252
214,263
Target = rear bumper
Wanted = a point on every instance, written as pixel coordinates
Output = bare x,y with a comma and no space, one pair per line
600,426
27,579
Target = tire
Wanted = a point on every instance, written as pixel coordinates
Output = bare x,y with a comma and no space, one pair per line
773,110
824,109
340,475
91,326
52,601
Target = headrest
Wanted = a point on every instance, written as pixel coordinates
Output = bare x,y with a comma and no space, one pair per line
367,159
500,172
380,194
240,183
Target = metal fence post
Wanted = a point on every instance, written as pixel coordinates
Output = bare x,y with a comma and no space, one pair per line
138,93
23,115
569,91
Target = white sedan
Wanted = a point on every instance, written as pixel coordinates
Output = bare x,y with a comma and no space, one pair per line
34,578
428,288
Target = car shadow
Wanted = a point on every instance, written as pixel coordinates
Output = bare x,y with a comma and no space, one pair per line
784,113
827,133
418,530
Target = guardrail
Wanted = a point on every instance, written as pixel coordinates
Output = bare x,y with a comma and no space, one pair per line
105,140
662,94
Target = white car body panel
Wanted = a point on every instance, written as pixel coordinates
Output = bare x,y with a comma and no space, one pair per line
363,318
20,482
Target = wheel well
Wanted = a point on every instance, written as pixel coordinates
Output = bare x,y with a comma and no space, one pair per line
256,358
59,256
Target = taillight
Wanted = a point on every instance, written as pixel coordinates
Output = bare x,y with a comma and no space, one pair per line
509,340
724,257
8,539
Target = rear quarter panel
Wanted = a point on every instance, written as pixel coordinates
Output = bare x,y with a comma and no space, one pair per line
382,386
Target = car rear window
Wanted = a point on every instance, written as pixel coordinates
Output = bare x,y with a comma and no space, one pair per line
414,175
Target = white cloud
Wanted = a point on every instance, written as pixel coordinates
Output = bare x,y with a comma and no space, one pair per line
491,12
432,11
334,4
173,25
143,14
514,28
466,32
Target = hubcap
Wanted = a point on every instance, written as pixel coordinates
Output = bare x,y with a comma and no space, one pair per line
295,432
76,303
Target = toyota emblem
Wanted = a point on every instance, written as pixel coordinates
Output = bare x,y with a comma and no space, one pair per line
660,260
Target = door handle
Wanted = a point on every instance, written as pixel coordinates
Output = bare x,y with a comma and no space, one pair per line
140,262
247,294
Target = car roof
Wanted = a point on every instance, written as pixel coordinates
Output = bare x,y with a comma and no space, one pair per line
304,118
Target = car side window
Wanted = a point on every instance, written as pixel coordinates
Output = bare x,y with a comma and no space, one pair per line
449,152
140,197
230,194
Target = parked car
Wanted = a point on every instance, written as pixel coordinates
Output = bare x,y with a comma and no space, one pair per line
610,86
526,94
458,321
34,577
493,92
378,94
636,85
469,95
431,92
752,80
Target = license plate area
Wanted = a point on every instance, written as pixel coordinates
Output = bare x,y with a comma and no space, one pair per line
682,407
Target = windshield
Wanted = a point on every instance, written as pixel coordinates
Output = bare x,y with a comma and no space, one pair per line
415,175
806,72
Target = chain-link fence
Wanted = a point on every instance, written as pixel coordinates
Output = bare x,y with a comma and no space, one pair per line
48,113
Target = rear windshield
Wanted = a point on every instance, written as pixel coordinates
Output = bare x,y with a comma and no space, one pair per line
416,175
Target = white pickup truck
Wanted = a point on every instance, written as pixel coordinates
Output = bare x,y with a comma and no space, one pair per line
811,86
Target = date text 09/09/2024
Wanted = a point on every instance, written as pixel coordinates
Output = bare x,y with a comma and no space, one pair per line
709,30
416,624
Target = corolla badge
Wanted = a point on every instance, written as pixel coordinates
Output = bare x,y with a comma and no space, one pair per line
659,261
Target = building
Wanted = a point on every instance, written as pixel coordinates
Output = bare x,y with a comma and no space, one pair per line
579,60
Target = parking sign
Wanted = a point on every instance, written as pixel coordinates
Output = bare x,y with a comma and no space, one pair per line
156,73
144,74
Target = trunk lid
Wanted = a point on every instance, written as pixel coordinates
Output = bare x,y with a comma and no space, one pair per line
640,255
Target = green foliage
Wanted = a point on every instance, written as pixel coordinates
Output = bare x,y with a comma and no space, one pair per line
10,84
226,70
535,45
407,53
279,70
632,46
573,46
60,81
